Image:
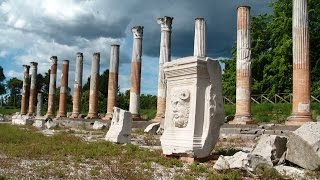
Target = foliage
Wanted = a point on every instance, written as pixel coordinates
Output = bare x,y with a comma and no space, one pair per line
272,51
2,78
15,86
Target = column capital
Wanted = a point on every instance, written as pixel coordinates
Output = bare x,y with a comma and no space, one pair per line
165,22
26,66
79,54
54,59
33,64
137,32
65,62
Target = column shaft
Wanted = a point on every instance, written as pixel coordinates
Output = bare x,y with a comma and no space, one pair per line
77,88
64,89
136,72
33,90
52,87
94,84
25,90
39,105
200,48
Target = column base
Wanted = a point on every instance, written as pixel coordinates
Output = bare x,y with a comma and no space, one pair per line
158,118
61,115
92,116
49,115
108,116
136,117
242,119
298,120
75,115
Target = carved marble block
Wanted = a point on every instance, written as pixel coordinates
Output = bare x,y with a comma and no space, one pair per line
194,104
120,128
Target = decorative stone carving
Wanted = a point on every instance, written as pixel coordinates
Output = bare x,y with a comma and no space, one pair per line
194,107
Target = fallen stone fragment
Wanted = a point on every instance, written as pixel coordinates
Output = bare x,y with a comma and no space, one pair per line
50,123
292,172
39,123
152,128
98,125
304,146
238,161
120,129
19,119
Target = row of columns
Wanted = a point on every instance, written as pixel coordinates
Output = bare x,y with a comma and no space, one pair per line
301,74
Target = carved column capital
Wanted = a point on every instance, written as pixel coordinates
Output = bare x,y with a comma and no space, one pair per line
165,22
137,32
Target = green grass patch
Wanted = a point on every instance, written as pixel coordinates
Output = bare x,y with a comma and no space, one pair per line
7,110
148,114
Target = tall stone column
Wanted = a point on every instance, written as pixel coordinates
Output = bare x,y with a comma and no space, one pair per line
113,80
77,88
136,72
25,90
165,56
39,105
94,84
64,89
33,90
243,92
200,44
52,87
301,110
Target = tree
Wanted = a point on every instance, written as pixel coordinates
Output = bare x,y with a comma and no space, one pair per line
2,78
272,51
15,86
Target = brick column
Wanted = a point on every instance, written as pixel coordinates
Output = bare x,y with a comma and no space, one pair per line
52,87
200,31
94,84
33,90
63,89
113,81
243,94
25,90
77,88
301,101
165,56
136,72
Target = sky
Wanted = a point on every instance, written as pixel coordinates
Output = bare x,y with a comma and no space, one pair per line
35,30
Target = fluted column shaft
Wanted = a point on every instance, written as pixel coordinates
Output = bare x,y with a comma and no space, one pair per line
25,90
136,72
94,84
200,44
52,87
113,80
77,88
33,90
301,97
64,89
165,56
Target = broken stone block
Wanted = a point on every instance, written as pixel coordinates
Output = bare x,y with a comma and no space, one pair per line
152,128
39,123
194,104
50,123
98,125
292,172
268,150
238,161
120,129
19,119
304,146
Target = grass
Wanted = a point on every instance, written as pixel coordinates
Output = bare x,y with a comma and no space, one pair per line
275,113
8,110
148,114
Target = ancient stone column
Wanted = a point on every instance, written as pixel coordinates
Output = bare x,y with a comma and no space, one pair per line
200,29
63,89
52,87
136,72
77,88
301,111
94,84
243,92
165,56
39,104
113,80
25,90
33,90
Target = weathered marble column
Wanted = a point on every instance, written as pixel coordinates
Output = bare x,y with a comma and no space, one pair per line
243,93
25,90
39,105
165,56
64,89
200,44
113,80
136,72
52,87
77,88
94,84
301,110
33,90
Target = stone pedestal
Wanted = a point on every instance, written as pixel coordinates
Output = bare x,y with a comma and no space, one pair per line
120,128
301,95
195,109
113,81
33,90
94,82
25,90
77,88
165,56
64,89
52,87
243,93
134,105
